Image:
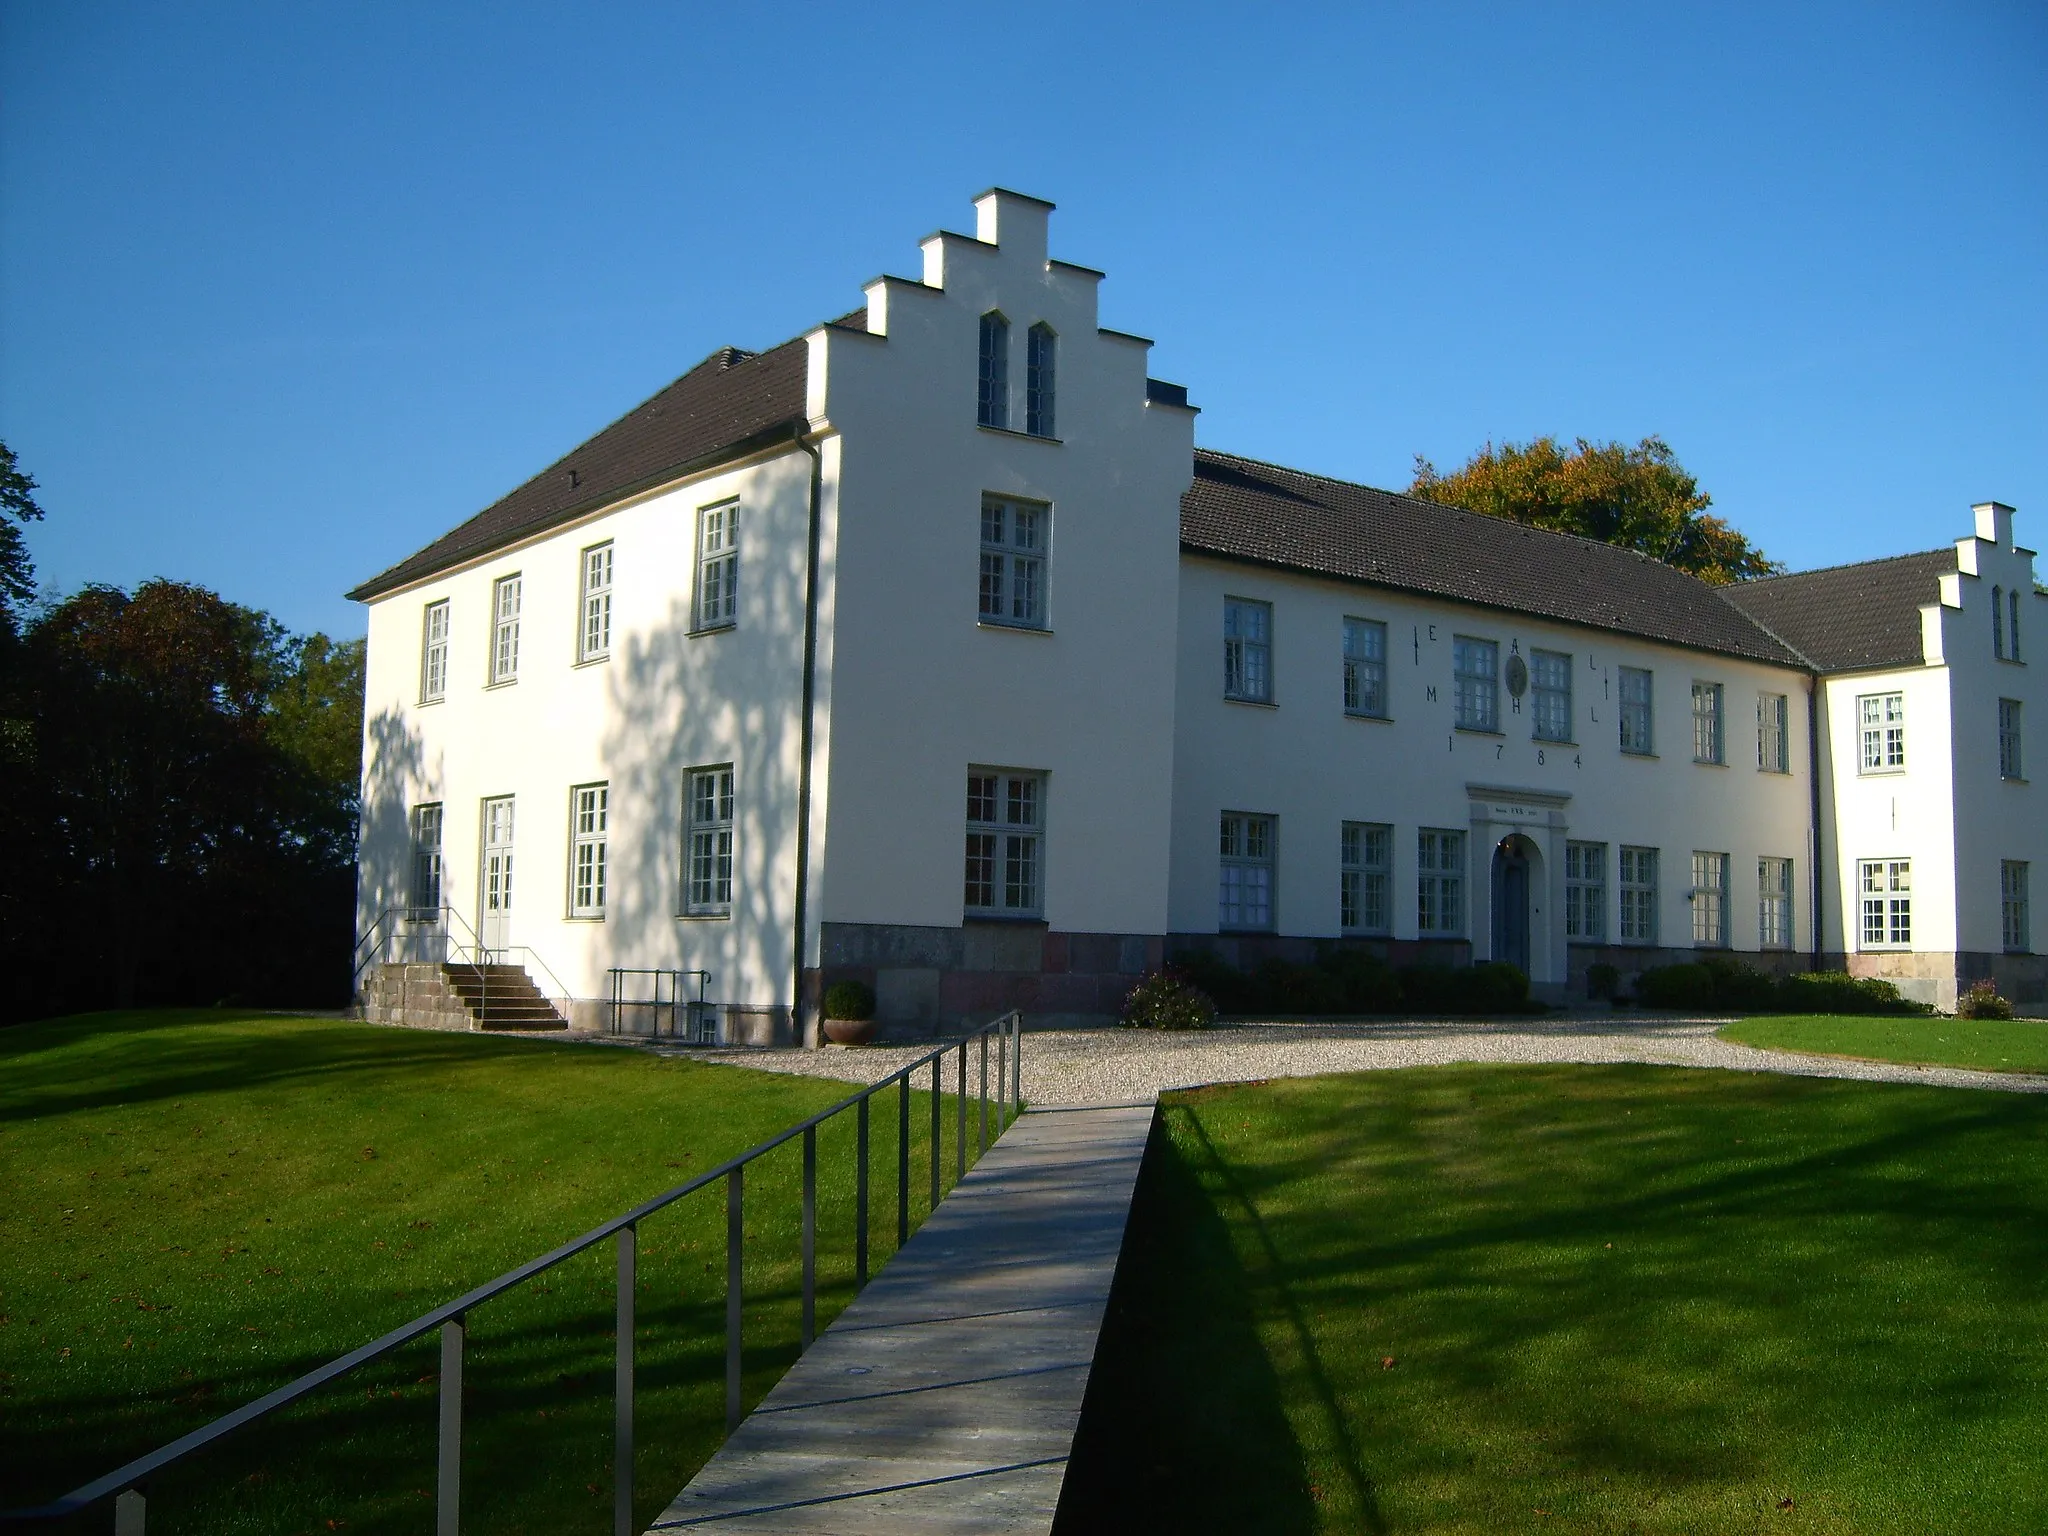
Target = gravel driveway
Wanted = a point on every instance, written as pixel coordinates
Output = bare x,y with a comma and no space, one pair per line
1092,1066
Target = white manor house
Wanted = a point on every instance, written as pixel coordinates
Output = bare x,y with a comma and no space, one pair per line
927,649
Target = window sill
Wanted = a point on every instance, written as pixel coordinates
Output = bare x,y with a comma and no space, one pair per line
1365,933
1710,762
1426,934
1782,773
712,629
1005,919
1648,757
2014,778
584,917
705,917
1231,698
1359,714
1478,730
1013,629
1221,930
590,661
1029,437
503,682
1880,773
1555,741
439,698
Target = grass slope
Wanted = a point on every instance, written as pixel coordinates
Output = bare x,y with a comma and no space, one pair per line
1590,1299
202,1206
1993,1045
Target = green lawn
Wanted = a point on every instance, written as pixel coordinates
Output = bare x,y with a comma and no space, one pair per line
1589,1299
1994,1045
201,1206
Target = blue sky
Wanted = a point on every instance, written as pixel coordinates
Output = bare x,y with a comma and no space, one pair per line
286,291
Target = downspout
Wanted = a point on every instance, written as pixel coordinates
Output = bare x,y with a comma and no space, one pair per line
1813,777
800,434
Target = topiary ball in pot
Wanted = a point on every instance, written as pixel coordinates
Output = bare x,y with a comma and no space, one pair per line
849,1013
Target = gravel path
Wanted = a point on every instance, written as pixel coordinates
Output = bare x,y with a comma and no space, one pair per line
1093,1066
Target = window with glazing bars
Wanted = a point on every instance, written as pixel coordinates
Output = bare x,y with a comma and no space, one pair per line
426,860
1550,685
1439,883
718,565
1998,622
1041,348
594,635
1247,650
1882,718
1244,897
1710,899
434,652
1706,723
1636,880
1365,668
1475,682
1366,859
589,816
707,869
505,629
2012,601
1636,736
1014,535
2011,765
1773,749
1774,903
992,399
1887,902
1585,892
2014,919
1005,843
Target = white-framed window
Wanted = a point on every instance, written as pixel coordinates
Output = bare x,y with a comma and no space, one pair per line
505,598
1244,885
1998,622
1365,668
1773,747
434,652
1365,877
1886,887
589,817
594,632
718,565
992,395
1585,892
1439,882
1041,350
1636,880
2013,918
1707,730
1005,843
2011,763
1774,903
1550,687
707,842
1881,720
1014,540
1710,900
1475,683
1637,738
2012,636
425,895
1247,650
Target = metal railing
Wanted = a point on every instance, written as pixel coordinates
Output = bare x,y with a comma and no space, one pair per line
125,1485
678,1006
433,941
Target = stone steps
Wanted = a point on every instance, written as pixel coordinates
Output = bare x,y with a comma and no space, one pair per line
435,996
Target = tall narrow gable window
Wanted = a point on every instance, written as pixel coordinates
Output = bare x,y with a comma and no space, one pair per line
1637,738
1247,650
505,600
1773,750
594,634
1706,723
1475,673
1998,622
2012,628
1366,858
992,401
1439,883
1585,892
425,895
1774,903
718,565
1244,889
707,869
1882,723
1365,668
2011,763
1637,880
2014,920
1550,681
589,823
1887,903
1014,536
434,652
1041,348
1005,843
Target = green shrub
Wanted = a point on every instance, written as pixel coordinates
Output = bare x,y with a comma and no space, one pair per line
849,1000
1166,999
1740,985
1365,983
1839,992
1285,987
1681,987
1498,987
1983,1002
1232,990
1602,981
1492,986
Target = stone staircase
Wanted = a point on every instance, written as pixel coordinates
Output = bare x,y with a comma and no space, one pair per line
434,996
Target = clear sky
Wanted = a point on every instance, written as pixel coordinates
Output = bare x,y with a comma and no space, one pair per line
288,290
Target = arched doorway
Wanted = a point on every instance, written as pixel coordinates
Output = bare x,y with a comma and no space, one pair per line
1514,859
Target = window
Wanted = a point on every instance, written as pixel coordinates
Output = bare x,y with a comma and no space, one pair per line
1710,900
589,814
1774,903
1883,722
1585,892
505,629
434,652
2012,627
2010,764
1244,892
1636,874
1998,622
707,862
1706,723
1039,347
1439,883
992,404
1365,668
718,565
1367,867
1475,671
1247,650
426,861
594,637
2012,906
1013,544
1773,750
1887,892
1550,681
1005,843
1636,737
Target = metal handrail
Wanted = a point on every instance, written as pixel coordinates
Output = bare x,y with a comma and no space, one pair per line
475,954
124,1482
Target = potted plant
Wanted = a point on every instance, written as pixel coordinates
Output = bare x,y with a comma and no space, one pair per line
849,1013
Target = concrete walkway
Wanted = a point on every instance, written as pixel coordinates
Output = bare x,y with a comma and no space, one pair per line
946,1397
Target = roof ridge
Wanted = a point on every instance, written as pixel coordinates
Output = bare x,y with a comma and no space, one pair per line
1848,565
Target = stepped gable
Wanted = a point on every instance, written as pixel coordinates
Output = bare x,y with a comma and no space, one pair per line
1242,509
1846,618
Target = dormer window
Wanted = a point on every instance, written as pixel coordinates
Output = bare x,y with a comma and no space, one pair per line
1040,346
992,407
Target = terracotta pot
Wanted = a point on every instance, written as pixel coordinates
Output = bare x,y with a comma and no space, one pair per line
850,1031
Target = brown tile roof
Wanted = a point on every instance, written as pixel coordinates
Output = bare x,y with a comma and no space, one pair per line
1849,617
1241,509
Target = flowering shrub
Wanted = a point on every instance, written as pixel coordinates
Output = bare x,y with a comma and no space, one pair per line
1983,1002
1168,1000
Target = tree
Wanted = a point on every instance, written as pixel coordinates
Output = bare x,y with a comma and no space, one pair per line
1640,498
17,506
